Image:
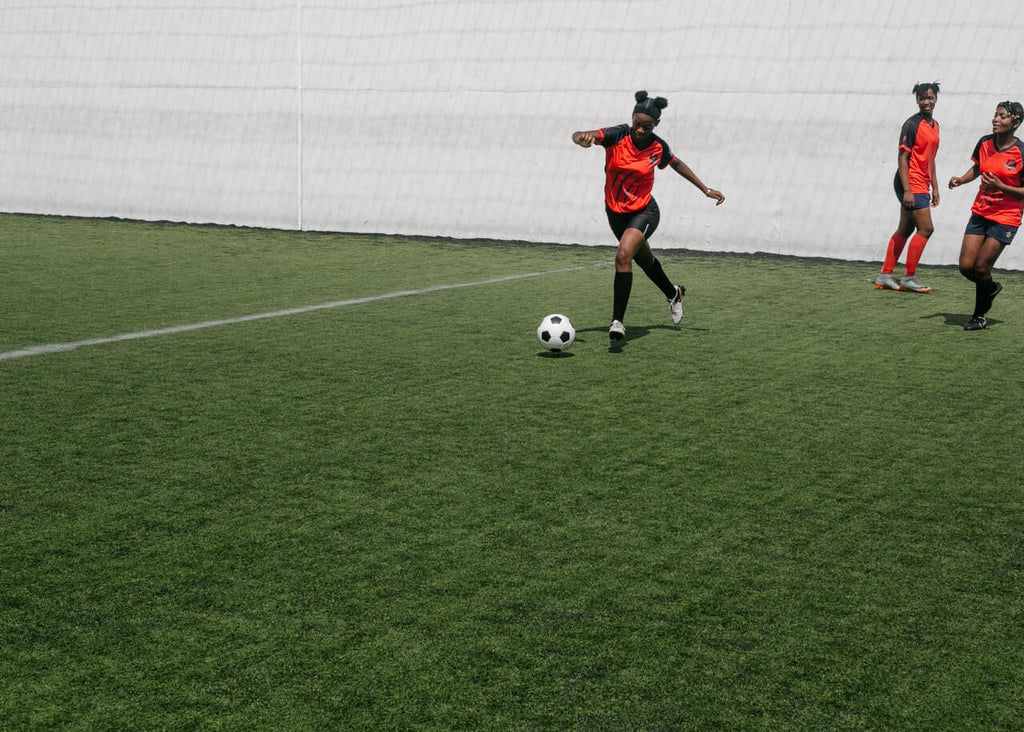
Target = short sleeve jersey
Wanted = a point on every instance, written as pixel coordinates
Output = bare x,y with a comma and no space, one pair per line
1007,165
921,140
629,171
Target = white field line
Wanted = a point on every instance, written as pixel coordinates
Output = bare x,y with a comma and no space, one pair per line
70,346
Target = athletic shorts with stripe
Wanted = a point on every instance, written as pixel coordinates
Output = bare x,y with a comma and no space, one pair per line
646,220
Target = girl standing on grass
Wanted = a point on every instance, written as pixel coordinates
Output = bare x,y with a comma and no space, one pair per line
632,152
915,177
996,213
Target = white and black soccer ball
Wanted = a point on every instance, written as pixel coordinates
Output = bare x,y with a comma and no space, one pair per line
556,332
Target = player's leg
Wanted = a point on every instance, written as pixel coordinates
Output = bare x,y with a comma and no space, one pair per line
922,220
969,249
647,221
630,241
986,288
651,266
893,250
978,255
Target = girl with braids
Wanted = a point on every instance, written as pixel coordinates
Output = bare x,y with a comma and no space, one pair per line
632,152
996,214
915,178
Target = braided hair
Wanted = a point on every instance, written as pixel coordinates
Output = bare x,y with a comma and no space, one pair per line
924,87
650,106
1014,109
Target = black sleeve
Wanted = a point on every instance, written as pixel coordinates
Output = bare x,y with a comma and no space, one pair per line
908,134
611,135
976,155
666,155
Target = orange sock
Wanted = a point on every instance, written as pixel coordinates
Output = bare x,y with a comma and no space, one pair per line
914,252
893,252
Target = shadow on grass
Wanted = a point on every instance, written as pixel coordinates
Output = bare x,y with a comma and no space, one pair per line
958,320
634,332
555,354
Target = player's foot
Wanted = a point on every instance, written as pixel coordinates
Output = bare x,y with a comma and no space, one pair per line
617,331
910,284
887,282
675,305
976,324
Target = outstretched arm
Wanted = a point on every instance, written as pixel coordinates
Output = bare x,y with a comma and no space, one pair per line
684,170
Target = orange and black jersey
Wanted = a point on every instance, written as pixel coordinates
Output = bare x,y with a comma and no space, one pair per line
629,171
1007,165
920,138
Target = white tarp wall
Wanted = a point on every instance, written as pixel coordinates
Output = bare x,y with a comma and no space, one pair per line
452,117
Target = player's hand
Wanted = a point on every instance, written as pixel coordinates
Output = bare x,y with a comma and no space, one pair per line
908,200
717,195
935,197
990,181
955,182
583,139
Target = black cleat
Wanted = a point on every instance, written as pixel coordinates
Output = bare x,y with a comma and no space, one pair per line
976,324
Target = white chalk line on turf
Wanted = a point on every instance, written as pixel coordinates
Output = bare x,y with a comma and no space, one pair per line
71,346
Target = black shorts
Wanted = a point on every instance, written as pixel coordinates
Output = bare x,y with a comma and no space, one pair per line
646,220
980,226
921,200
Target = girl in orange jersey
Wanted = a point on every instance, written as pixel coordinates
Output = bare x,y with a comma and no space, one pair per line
632,152
915,178
996,214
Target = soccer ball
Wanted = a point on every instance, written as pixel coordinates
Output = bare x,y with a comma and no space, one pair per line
555,332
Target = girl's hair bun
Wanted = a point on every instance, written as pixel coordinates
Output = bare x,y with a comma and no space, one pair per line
648,106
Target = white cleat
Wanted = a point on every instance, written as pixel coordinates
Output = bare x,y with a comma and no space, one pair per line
912,285
675,305
887,282
617,331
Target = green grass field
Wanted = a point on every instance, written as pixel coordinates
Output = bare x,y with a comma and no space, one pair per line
799,509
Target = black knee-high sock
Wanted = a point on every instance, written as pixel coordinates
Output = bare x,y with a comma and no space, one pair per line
623,285
657,275
982,297
986,291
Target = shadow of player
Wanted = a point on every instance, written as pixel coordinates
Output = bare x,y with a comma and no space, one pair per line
957,320
635,332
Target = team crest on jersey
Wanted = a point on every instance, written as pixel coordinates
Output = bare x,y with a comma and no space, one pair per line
1011,165
653,159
